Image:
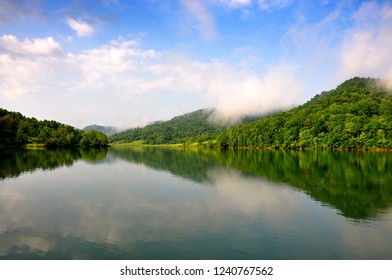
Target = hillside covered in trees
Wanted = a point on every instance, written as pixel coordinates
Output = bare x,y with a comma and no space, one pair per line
191,127
18,130
355,115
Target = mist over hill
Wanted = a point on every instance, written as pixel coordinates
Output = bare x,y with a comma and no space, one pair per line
191,127
108,130
355,115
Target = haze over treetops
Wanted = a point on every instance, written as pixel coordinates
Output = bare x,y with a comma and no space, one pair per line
355,115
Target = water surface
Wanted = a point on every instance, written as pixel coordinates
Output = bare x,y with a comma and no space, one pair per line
154,203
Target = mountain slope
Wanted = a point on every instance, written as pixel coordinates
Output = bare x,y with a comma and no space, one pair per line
355,115
108,130
192,126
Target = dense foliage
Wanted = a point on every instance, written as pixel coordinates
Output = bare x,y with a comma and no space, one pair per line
191,127
16,130
356,115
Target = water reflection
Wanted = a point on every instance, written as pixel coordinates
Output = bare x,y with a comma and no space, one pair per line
15,162
356,183
122,209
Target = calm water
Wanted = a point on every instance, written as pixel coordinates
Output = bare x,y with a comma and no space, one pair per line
153,203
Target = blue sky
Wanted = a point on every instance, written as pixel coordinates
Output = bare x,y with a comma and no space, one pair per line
127,63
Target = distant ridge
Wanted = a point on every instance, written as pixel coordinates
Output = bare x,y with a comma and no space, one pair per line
194,126
108,130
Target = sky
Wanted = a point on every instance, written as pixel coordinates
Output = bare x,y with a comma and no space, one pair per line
128,63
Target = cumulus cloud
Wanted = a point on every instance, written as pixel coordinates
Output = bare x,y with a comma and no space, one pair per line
81,28
27,66
118,65
39,46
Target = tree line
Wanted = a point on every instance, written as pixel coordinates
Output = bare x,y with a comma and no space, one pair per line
18,130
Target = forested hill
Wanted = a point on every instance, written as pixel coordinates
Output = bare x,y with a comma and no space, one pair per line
17,130
108,130
355,115
191,127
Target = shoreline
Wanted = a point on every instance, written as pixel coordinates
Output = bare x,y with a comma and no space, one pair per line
205,146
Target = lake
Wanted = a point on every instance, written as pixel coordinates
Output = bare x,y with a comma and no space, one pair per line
157,203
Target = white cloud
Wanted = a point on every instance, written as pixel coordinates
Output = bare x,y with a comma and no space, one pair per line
119,65
40,46
27,66
132,84
240,94
366,48
81,28
122,78
347,42
129,82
